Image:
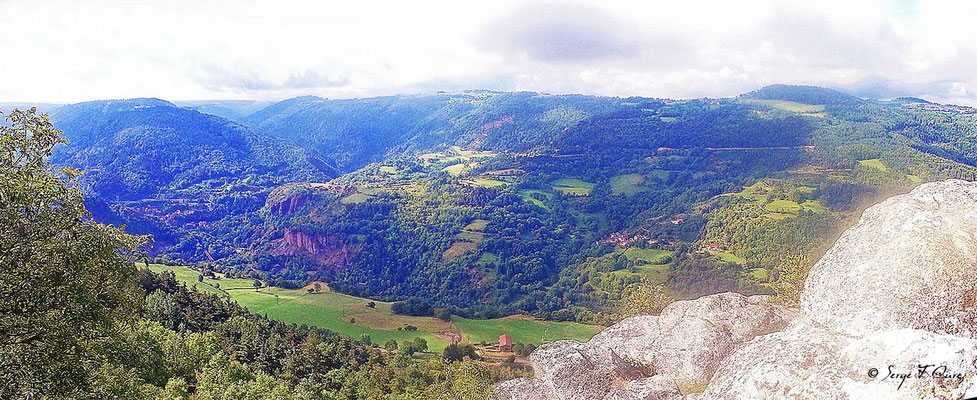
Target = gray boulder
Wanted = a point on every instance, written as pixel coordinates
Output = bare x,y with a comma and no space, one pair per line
896,291
889,312
650,357
908,263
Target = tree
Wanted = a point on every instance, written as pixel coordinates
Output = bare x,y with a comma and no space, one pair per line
317,286
257,284
642,298
443,314
793,273
390,345
461,381
419,344
456,352
65,281
162,308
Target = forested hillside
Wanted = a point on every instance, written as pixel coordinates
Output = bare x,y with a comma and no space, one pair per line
170,171
82,321
491,203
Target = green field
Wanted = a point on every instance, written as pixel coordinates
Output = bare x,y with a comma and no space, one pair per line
354,198
814,206
455,170
760,274
522,329
874,163
488,258
648,264
527,196
572,186
627,184
647,256
657,273
488,183
791,106
334,311
756,192
467,240
460,159
729,257
476,225
784,206
760,192
913,178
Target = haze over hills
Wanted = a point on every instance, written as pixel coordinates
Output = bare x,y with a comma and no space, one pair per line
493,202
164,169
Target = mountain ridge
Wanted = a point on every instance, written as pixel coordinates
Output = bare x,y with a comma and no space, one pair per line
491,202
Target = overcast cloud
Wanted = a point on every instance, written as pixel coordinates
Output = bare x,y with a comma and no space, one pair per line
66,51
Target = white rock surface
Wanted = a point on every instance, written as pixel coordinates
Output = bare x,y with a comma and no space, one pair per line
654,387
896,291
907,263
647,357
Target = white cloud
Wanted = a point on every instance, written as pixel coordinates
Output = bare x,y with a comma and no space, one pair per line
208,49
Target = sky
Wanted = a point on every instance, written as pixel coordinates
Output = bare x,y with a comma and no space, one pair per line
69,51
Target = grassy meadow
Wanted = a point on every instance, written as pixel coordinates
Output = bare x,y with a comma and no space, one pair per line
350,316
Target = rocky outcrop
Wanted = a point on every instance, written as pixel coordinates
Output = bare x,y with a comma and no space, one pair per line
896,291
327,250
887,313
291,197
650,356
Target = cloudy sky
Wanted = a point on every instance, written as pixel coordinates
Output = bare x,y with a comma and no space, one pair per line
66,51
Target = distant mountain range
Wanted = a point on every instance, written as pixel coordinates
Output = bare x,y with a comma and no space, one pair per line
492,202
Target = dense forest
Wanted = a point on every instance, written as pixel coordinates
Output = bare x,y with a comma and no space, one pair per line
82,321
490,203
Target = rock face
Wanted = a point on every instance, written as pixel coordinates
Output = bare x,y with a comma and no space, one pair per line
887,313
896,291
908,263
649,357
327,250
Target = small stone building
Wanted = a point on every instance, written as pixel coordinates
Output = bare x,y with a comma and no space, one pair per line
505,343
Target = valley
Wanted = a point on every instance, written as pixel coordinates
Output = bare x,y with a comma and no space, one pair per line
477,200
354,317
494,203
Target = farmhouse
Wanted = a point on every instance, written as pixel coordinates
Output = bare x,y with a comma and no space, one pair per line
505,343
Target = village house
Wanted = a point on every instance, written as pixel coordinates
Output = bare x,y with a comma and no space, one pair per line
505,343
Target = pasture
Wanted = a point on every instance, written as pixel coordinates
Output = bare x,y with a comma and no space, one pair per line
874,163
350,316
572,186
646,256
528,196
523,329
627,184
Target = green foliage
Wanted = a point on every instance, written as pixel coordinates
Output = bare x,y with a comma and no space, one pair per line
793,273
458,352
65,280
78,320
461,381
443,314
413,306
643,298
560,186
